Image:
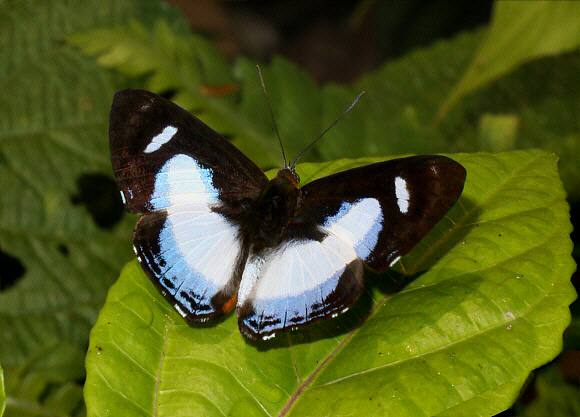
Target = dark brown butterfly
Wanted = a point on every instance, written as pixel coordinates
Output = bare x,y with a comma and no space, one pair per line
216,233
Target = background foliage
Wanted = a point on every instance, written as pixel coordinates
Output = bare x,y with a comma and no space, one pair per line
63,237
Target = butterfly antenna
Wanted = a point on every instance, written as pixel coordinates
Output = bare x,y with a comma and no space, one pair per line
327,129
272,114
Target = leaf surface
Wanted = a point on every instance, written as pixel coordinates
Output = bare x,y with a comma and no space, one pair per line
484,300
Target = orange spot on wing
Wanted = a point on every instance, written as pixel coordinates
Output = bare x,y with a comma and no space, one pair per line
230,304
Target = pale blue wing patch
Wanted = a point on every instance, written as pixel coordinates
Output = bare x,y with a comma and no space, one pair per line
292,286
198,254
197,248
358,224
183,182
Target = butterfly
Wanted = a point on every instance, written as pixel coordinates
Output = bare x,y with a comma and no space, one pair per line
216,234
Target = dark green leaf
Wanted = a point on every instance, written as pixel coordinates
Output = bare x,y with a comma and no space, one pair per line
58,259
54,129
553,396
36,394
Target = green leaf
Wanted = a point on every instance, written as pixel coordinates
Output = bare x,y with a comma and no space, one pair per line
194,68
520,32
2,393
54,129
53,136
485,302
393,116
37,395
553,396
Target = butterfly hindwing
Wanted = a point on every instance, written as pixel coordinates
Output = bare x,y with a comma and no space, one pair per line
301,282
174,169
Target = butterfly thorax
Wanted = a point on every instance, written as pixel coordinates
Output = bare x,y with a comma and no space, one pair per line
273,210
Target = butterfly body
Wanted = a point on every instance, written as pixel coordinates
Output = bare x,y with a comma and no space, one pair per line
263,221
216,233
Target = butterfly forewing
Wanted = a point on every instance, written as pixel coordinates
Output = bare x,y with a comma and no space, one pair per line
413,194
147,130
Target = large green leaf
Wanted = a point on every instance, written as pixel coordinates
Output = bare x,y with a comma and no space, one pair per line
520,32
485,302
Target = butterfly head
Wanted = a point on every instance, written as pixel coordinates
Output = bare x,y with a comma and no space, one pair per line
289,174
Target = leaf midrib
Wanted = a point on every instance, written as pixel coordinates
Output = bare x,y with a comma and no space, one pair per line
160,369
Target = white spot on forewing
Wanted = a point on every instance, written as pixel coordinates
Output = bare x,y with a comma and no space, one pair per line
402,194
161,139
269,336
123,197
